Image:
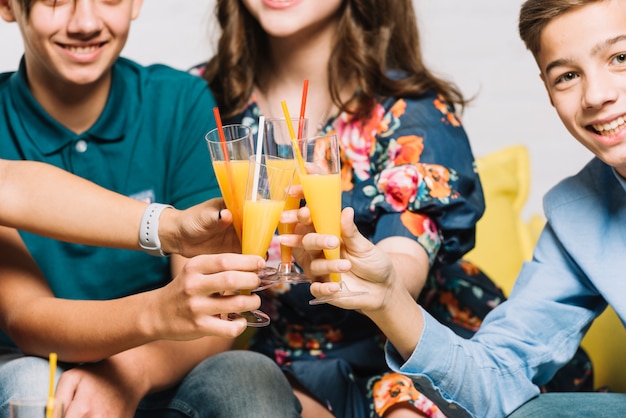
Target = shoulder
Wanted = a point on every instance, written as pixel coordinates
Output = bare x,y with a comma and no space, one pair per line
4,77
591,188
427,110
4,80
162,78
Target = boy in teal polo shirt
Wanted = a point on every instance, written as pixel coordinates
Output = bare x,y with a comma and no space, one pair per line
138,131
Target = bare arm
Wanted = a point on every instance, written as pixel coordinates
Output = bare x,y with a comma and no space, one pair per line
46,200
389,302
85,331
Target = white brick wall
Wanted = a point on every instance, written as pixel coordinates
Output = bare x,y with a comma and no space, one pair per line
475,43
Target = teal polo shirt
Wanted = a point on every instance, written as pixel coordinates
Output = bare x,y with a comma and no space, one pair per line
148,144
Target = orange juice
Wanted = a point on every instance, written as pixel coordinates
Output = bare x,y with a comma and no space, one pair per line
233,194
292,202
323,197
260,218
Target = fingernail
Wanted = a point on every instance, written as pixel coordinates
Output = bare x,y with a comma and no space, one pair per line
332,241
343,265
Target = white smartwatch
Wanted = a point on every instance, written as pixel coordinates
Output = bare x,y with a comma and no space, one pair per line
149,229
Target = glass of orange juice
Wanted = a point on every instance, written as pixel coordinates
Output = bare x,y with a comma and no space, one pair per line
267,189
278,144
321,185
231,160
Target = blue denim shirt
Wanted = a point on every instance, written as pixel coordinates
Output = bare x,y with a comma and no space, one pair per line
577,269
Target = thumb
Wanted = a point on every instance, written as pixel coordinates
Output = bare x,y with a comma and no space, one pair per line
352,238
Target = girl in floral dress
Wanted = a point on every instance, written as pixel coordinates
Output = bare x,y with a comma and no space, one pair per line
407,170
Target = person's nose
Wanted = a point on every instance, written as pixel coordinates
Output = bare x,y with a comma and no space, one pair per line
599,89
85,20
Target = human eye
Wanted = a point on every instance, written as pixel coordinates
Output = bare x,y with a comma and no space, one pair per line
566,77
619,59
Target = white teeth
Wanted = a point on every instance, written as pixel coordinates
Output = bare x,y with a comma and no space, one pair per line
609,128
82,49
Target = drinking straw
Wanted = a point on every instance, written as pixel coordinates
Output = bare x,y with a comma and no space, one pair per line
294,141
229,174
305,89
220,130
259,148
53,371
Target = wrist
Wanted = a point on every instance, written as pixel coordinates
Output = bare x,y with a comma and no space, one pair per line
169,231
149,239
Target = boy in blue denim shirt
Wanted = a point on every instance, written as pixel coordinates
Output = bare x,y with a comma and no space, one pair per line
578,264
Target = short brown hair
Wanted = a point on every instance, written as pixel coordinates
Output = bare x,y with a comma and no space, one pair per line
536,14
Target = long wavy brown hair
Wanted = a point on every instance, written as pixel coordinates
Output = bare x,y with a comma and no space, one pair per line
373,37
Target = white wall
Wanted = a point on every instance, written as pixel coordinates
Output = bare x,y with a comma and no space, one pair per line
474,43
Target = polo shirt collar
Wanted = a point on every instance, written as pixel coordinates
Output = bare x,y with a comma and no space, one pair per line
48,135
622,180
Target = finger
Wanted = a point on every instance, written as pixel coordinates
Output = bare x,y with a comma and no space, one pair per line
227,327
351,236
296,191
291,240
222,324
304,216
324,289
65,390
225,217
216,305
323,267
216,263
228,282
289,216
317,242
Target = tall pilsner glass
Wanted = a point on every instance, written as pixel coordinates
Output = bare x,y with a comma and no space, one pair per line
278,143
321,184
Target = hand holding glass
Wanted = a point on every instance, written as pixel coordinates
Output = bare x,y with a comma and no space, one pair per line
321,184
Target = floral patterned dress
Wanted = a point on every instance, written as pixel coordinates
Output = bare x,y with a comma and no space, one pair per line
407,171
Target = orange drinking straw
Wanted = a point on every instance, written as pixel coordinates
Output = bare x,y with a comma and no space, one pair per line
220,130
294,141
305,89
229,174
53,371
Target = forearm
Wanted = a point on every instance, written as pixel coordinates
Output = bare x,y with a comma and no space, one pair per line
81,331
46,200
401,321
410,262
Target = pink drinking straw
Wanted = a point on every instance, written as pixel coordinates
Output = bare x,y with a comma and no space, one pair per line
305,89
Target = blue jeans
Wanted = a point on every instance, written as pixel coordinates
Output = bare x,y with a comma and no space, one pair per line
578,404
238,384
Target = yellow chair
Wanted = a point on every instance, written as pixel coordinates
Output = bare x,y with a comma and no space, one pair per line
504,241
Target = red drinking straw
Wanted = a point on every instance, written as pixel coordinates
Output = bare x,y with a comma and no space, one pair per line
305,89
229,174
220,130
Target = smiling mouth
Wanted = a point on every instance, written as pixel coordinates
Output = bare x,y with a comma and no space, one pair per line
82,49
609,128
